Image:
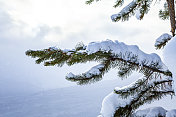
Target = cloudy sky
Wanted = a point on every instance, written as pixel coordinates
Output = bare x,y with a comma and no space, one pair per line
39,24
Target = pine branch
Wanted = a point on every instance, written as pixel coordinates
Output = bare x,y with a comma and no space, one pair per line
133,88
126,12
105,53
142,84
142,67
118,3
143,9
90,1
93,75
164,14
146,95
143,6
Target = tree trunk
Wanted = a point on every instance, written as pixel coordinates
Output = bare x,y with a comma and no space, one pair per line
171,8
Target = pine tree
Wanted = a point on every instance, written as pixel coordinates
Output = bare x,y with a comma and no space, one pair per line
156,81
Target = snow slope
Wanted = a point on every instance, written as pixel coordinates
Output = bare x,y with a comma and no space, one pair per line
11,87
78,101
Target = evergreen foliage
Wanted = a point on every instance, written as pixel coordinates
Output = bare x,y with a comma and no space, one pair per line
156,82
141,7
164,14
144,90
126,62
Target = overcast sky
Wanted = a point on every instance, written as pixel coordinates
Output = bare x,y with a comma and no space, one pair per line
39,24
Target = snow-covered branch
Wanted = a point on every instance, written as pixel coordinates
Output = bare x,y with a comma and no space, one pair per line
125,12
110,54
94,74
162,40
115,105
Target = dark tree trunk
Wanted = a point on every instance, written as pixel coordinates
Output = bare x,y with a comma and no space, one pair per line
171,8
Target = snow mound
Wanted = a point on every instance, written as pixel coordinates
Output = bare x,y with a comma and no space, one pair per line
110,103
151,112
171,113
170,58
155,112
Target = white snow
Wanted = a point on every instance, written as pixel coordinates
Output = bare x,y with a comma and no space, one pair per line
92,72
155,112
113,101
66,50
110,103
170,58
163,38
125,88
138,14
151,112
171,113
150,83
76,101
53,48
117,48
70,75
124,11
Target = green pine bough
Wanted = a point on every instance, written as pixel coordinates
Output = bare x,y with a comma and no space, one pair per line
156,81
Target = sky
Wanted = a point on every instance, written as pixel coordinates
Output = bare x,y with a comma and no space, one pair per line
39,24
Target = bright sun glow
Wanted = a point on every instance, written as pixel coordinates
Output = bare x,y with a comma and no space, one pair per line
50,12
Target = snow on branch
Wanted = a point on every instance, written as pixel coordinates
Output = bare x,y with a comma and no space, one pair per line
94,74
162,40
115,105
138,7
125,12
110,54
128,53
164,14
144,7
144,82
157,81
